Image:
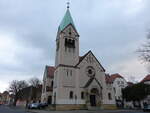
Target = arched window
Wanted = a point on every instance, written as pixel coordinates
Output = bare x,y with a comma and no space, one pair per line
71,95
67,71
52,84
70,72
57,45
82,95
109,96
69,43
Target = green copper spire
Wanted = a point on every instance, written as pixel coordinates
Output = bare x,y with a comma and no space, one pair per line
66,21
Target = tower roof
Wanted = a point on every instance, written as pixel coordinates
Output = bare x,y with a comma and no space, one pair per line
66,21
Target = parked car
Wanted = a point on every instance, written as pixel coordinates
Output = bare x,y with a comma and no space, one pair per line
34,106
43,105
146,108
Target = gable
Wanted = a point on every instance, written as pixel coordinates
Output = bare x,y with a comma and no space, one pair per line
73,29
90,58
66,31
90,81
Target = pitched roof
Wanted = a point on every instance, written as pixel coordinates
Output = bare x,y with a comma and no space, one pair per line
147,78
114,76
6,93
130,83
107,78
81,58
66,21
50,71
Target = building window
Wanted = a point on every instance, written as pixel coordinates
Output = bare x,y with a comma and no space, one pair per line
115,90
70,72
67,71
82,95
109,96
71,95
57,46
52,84
69,43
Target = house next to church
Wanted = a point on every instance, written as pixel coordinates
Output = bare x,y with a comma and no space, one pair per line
75,82
146,80
119,83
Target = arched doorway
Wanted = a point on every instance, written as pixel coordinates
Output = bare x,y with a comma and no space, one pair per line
49,101
93,94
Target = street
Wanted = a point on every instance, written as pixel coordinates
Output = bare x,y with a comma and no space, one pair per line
5,109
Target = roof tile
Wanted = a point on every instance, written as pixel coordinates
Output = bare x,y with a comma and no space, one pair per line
147,78
114,76
50,71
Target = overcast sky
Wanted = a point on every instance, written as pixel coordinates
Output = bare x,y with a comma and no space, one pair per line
112,29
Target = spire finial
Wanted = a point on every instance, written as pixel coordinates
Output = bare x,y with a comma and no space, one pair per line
68,4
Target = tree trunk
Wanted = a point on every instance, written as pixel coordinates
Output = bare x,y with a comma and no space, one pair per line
15,100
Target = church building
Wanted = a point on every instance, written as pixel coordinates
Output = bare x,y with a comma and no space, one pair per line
75,82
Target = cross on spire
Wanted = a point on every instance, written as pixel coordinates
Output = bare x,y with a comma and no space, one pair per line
68,4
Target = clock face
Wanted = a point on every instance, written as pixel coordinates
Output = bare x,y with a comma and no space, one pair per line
90,71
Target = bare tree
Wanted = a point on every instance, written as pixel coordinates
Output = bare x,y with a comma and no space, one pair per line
34,82
145,50
16,86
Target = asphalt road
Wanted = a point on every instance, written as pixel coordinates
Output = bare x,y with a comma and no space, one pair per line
5,109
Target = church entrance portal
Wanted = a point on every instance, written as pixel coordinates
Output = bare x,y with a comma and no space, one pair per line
93,100
93,95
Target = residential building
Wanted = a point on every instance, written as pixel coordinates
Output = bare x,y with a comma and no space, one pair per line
5,97
29,95
146,80
119,83
48,81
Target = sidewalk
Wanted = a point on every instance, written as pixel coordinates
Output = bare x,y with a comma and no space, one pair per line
87,111
38,111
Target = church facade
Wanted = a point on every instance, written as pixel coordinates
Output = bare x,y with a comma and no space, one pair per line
75,82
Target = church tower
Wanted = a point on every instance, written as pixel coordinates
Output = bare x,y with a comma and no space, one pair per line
67,42
67,56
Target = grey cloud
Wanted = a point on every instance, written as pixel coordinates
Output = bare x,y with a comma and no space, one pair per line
103,26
